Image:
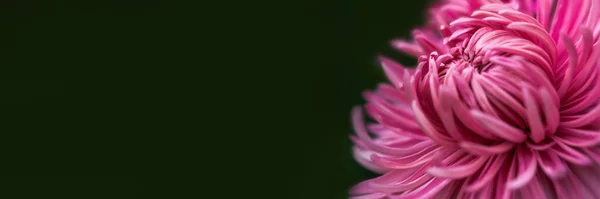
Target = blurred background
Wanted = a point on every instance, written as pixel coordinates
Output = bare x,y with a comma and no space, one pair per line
110,87
66,109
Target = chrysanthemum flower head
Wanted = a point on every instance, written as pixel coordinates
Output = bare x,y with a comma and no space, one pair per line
503,103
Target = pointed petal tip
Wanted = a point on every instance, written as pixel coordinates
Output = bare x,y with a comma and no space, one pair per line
382,59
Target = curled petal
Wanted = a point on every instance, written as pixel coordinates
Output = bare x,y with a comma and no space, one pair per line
364,159
550,112
527,165
361,188
401,183
499,128
544,11
393,70
484,150
428,44
408,47
578,137
394,95
361,131
447,116
551,164
405,162
533,117
428,190
544,145
541,35
584,119
428,128
588,175
593,153
467,168
569,154
566,82
534,189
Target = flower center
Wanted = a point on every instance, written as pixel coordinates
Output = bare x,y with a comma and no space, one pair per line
496,63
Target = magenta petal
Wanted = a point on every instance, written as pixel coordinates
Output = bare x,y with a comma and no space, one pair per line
398,175
428,44
585,101
565,188
527,165
447,116
551,113
393,70
428,190
585,70
361,131
569,154
544,12
489,171
581,190
401,183
534,189
499,128
408,47
395,95
593,153
500,185
542,146
589,177
484,150
538,33
480,95
427,127
364,159
566,82
361,188
551,164
533,117
578,137
462,169
405,162
584,119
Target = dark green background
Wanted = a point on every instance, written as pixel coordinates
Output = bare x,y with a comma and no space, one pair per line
25,187
172,96
75,81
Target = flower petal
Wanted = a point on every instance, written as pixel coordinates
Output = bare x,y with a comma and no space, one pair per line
428,128
404,162
578,137
393,70
569,154
461,169
533,117
428,190
551,164
499,128
361,131
485,150
401,183
527,167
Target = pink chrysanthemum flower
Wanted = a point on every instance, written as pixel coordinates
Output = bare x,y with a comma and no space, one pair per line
504,103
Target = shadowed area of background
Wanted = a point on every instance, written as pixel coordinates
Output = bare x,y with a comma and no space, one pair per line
72,74
111,88
92,187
